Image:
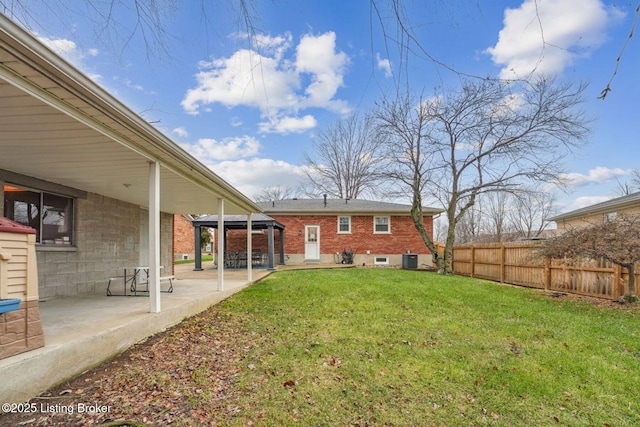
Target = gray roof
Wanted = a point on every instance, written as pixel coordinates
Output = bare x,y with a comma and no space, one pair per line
354,206
258,220
607,206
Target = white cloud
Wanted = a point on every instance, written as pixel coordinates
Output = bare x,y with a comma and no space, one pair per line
583,202
285,125
544,36
208,150
133,85
594,176
70,51
63,47
270,81
252,176
275,46
246,78
317,56
385,65
180,132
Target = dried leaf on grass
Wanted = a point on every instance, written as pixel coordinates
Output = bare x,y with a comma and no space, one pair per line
185,373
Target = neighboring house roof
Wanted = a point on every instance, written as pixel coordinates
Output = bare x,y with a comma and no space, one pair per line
60,126
611,205
338,206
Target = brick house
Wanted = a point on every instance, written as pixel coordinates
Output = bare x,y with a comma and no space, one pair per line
378,233
183,237
96,183
319,231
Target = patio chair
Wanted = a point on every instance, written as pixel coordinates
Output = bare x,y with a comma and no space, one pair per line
242,259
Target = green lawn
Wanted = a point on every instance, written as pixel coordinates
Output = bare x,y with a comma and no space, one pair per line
205,258
396,347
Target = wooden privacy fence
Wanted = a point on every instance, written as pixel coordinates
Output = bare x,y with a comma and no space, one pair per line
518,263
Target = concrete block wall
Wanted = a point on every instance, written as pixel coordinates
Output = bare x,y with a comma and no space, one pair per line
106,240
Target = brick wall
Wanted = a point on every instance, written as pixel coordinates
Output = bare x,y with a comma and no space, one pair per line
107,240
403,238
183,237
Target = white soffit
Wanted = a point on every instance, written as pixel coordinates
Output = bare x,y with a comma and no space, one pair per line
57,125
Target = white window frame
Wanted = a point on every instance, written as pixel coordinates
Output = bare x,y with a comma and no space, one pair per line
349,224
388,224
378,260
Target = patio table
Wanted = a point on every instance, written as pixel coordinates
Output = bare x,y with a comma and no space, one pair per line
136,280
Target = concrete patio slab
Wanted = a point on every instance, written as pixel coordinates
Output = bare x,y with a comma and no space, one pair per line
83,331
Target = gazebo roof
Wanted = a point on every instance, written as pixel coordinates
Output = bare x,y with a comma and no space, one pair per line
258,221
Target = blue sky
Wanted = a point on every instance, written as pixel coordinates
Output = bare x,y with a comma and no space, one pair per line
248,105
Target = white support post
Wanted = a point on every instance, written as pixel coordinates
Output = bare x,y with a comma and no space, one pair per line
221,244
154,237
249,247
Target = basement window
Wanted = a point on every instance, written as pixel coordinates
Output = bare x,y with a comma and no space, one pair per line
381,260
51,215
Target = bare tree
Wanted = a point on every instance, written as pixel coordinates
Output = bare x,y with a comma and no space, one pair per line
634,23
347,159
489,136
617,241
625,188
497,207
119,23
276,192
470,226
529,213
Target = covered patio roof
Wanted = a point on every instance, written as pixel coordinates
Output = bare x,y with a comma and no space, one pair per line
59,126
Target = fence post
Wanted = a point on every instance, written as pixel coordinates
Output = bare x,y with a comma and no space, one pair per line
617,281
503,250
473,259
547,273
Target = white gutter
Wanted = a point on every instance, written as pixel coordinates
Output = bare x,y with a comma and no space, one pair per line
153,145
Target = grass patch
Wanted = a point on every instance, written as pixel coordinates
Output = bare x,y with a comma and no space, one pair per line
205,258
397,347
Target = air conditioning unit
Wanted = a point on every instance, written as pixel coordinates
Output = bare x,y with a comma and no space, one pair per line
185,256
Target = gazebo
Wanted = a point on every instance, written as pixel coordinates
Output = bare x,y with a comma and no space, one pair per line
256,221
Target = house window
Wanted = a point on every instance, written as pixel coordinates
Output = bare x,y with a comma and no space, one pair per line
381,224
610,216
344,224
49,214
381,260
